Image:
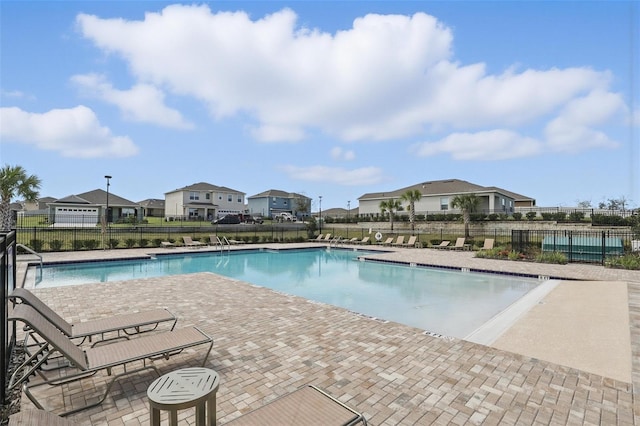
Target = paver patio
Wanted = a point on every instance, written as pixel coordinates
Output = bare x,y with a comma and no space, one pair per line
268,344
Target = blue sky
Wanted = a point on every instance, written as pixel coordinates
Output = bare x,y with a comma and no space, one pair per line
337,98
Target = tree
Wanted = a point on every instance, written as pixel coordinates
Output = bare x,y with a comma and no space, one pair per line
14,182
468,203
391,205
411,196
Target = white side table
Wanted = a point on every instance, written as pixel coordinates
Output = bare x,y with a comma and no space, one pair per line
185,388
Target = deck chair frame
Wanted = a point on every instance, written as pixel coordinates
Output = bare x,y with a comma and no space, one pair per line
124,325
88,362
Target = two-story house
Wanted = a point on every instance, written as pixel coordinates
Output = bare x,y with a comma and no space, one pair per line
273,201
202,201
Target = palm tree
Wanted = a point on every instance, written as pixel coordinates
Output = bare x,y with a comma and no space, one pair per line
391,205
411,196
14,182
468,203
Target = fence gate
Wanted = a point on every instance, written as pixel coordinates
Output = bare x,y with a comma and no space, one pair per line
519,240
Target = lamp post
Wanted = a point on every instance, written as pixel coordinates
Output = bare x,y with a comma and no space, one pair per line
348,209
320,216
106,213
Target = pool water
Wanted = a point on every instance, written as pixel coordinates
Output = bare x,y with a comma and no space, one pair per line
447,302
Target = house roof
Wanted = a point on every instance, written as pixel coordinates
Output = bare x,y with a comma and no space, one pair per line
277,193
203,186
152,203
96,197
448,186
515,196
436,187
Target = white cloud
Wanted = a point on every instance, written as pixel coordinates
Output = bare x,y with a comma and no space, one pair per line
335,175
387,77
143,102
572,130
337,153
487,145
72,132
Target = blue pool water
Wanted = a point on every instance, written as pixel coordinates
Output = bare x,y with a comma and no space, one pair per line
451,303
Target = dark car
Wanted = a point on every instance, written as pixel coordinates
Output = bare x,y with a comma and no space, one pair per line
230,219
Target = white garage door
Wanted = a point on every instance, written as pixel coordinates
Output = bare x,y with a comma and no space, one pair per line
77,216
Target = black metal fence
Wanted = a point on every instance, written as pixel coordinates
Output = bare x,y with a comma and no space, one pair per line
577,245
7,284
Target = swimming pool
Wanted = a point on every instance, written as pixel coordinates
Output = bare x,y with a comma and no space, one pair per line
448,302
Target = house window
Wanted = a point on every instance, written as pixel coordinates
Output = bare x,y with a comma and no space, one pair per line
207,196
194,196
229,198
444,203
239,199
193,212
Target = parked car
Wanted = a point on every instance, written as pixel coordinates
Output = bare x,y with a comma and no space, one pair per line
284,217
230,219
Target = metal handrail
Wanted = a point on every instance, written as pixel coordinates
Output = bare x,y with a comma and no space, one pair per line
227,243
32,251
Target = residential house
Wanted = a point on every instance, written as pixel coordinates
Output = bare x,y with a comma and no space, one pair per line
437,196
88,208
202,201
273,201
152,207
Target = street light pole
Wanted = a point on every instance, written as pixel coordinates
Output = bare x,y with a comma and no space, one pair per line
348,209
320,215
106,213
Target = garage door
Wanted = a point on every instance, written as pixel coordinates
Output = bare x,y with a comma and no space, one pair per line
77,216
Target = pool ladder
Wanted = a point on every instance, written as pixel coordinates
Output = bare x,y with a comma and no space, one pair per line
225,243
35,253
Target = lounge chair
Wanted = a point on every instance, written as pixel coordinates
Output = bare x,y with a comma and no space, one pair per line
353,240
188,242
305,406
89,361
167,244
443,244
327,238
364,241
488,244
214,240
459,245
387,242
411,242
318,238
399,242
129,324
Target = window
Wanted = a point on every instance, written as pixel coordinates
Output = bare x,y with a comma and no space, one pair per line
194,196
444,203
193,212
229,198
239,199
207,196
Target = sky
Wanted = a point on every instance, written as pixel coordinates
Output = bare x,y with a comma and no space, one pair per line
323,98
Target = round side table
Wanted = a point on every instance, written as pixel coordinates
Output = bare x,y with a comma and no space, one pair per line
185,388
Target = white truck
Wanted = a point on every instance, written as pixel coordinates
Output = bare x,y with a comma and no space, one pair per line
284,217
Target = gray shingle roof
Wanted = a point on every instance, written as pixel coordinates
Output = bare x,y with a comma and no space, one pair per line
203,186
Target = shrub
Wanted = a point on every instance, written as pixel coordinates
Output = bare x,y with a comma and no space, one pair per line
144,242
77,244
552,257
576,216
559,216
55,245
91,244
531,215
255,239
36,245
130,242
156,242
113,242
493,217
517,216
547,216
627,261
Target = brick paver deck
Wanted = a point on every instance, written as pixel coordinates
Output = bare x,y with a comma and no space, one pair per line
268,344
